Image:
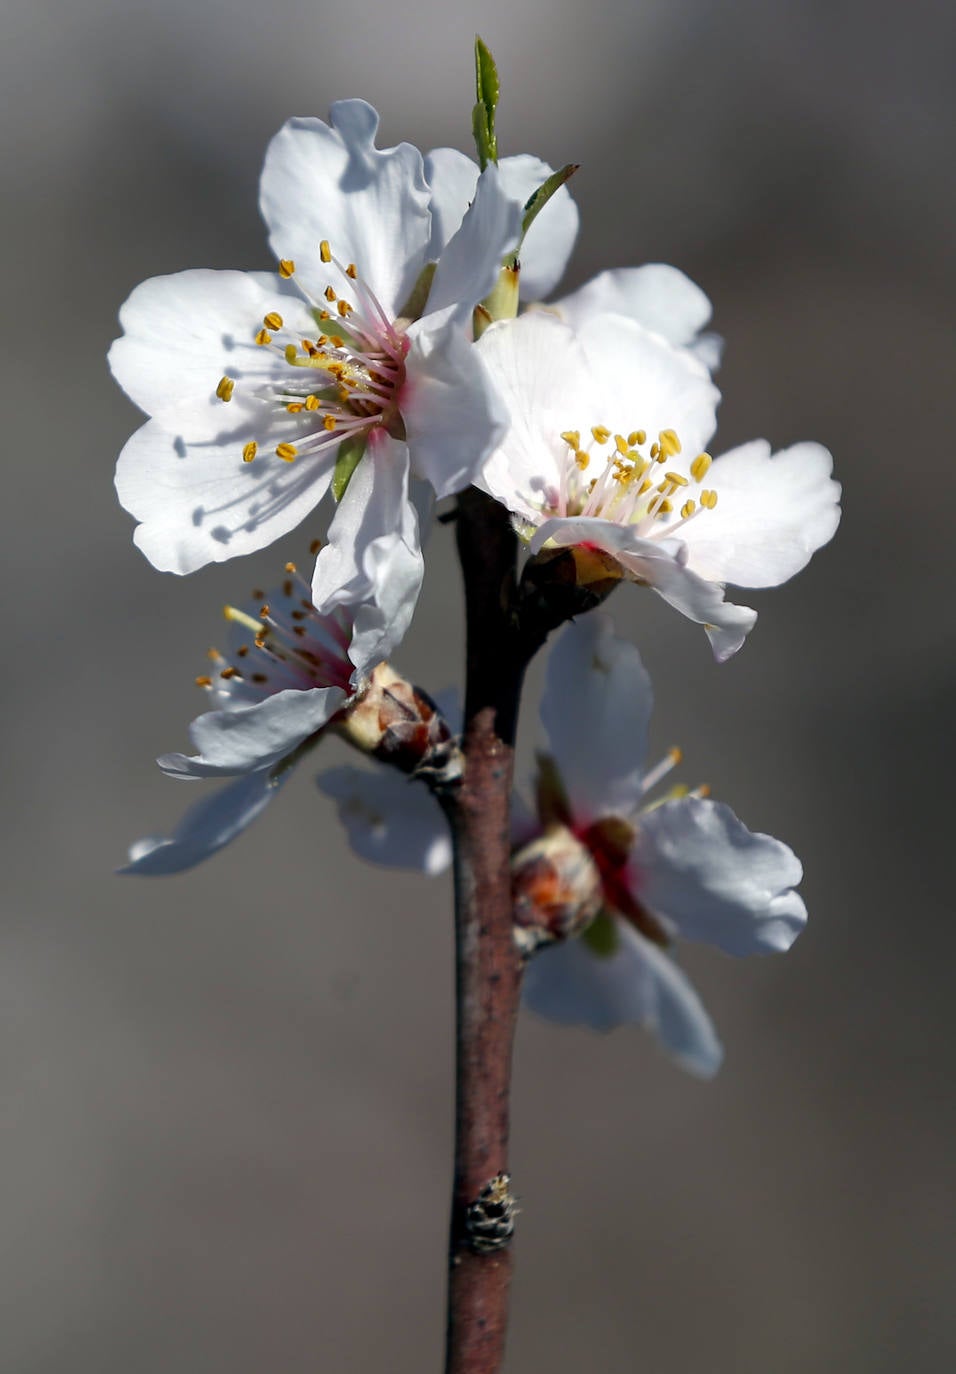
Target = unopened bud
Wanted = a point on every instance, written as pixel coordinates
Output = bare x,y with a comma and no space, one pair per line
556,889
399,724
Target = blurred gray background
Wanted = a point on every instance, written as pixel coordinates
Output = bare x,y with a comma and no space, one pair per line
225,1099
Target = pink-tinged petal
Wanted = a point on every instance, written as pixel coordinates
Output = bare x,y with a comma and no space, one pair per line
658,297
637,984
390,819
199,503
248,738
596,710
452,411
184,332
329,181
471,262
772,514
373,562
453,178
661,565
713,880
206,827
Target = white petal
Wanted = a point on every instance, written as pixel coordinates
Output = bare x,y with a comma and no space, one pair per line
772,514
636,984
452,412
471,262
248,738
373,560
656,296
184,332
659,564
200,503
596,708
390,819
206,827
649,384
700,867
545,252
321,182
543,377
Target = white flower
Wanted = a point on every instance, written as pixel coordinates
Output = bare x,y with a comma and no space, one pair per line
253,380
682,867
288,672
607,448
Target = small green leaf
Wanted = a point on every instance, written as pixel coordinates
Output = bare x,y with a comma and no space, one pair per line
350,455
488,89
543,194
601,935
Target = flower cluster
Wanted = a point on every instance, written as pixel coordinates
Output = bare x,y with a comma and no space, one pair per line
403,349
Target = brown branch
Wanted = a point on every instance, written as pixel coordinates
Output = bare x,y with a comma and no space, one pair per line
488,968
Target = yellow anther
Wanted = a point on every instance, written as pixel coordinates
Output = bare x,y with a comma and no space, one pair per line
250,451
291,353
329,294
699,467
203,681
345,309
351,271
287,452
263,337
676,754
572,437
324,315
676,479
286,268
708,499
701,790
601,433
337,341
655,450
294,407
687,509
669,442
638,436
225,388
664,508
645,487
290,568
329,423
582,459
315,546
325,251
273,320
312,402
620,443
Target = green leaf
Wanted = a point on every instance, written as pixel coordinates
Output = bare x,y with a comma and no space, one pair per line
536,203
601,935
350,455
488,89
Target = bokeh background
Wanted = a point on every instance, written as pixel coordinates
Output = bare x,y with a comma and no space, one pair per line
225,1097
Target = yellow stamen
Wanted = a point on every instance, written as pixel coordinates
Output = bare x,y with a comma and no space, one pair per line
315,546
294,407
676,754
290,567
601,433
203,681
700,466
250,451
273,320
312,402
329,423
687,509
325,252
708,499
676,479
287,452
225,388
241,618
351,271
620,443
572,437
329,294
669,442
263,337
286,268
664,508
291,353
582,459
639,436
345,309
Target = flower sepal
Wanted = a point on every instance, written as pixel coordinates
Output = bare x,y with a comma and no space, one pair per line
558,584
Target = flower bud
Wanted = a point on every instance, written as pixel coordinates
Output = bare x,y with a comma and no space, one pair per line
561,583
399,724
556,889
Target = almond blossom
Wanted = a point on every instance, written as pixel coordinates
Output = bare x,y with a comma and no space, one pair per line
254,381
607,450
289,672
678,867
